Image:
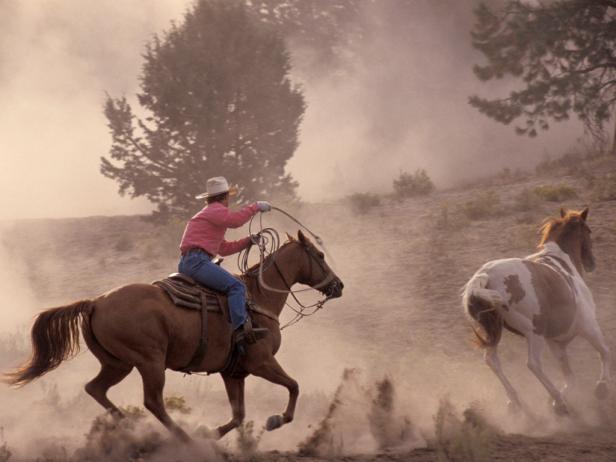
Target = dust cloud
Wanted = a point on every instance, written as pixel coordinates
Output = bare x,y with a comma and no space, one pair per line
16,299
399,103
374,367
58,58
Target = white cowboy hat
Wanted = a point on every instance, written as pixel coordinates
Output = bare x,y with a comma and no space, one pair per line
215,186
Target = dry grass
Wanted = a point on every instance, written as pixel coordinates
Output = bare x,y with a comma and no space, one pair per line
248,441
485,204
462,440
413,184
177,403
362,203
604,188
5,452
389,429
527,201
555,193
408,267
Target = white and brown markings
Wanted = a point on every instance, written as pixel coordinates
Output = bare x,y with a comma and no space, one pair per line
544,298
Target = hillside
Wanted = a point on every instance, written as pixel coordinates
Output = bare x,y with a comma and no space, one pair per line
403,264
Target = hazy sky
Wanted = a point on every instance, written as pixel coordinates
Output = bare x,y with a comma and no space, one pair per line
402,105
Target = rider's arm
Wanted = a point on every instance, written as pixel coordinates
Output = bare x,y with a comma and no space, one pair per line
230,219
231,247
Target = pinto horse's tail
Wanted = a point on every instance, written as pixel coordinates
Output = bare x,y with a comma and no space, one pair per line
55,337
481,305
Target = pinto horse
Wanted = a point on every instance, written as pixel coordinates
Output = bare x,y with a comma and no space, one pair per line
544,298
137,326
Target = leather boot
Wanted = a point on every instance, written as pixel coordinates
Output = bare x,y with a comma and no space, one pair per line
246,333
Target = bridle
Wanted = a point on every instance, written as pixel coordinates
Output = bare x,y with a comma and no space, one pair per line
302,311
268,245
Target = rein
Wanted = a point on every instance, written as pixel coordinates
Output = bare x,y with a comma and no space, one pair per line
299,313
269,243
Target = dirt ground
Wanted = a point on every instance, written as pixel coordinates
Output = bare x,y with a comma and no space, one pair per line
400,320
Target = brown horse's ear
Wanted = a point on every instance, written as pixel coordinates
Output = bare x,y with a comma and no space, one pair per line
289,237
563,212
301,237
584,214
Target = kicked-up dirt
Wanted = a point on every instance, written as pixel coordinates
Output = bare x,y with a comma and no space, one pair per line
387,372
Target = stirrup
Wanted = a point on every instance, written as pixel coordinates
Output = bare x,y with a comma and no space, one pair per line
252,336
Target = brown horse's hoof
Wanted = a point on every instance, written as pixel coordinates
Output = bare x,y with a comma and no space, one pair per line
203,432
560,408
116,414
181,435
601,390
274,422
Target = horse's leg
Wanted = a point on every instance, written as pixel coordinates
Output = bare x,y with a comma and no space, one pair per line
493,361
107,377
153,375
595,338
273,372
235,392
536,344
559,350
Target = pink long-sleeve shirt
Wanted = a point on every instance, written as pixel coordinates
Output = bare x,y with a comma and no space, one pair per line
207,228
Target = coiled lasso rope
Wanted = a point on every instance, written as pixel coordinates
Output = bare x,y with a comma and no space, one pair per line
269,242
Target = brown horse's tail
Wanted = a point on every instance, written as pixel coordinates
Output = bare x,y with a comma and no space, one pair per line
482,306
55,337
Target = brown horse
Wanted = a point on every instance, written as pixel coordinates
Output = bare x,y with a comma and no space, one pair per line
137,326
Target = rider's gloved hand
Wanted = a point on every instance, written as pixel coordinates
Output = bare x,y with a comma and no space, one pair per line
255,239
264,206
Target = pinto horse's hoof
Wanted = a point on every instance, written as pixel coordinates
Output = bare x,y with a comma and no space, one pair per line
560,408
274,422
601,390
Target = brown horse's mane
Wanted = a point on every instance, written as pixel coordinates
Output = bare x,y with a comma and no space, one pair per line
551,224
251,272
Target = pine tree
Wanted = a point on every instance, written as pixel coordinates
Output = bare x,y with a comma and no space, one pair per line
217,100
563,52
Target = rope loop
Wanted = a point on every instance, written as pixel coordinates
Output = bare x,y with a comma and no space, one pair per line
268,244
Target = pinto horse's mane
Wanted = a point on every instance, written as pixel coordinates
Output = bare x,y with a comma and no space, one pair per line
551,224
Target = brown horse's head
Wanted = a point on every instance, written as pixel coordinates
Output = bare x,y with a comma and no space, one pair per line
572,234
314,271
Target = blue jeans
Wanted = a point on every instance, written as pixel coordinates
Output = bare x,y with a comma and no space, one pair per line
198,266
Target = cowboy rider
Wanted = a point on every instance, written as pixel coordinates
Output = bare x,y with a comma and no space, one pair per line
204,238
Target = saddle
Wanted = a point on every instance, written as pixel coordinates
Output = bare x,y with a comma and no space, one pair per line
185,292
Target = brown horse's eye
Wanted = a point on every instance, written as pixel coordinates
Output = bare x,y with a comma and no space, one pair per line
321,255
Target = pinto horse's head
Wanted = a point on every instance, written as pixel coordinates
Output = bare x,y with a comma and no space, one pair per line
315,272
572,233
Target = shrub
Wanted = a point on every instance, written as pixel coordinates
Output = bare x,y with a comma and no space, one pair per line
555,193
389,429
467,440
363,202
604,189
568,161
5,452
484,205
526,201
132,413
124,243
416,184
177,403
248,440
506,174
